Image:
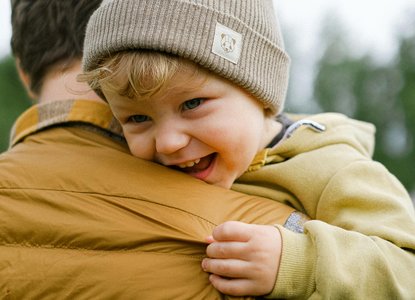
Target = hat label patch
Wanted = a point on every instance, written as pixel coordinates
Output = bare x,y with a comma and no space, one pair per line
227,43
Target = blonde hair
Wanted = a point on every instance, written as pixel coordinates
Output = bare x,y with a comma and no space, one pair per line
134,73
141,74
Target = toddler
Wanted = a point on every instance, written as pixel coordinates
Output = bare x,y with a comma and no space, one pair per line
199,86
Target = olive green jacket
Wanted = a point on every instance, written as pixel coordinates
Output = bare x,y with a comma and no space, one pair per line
361,244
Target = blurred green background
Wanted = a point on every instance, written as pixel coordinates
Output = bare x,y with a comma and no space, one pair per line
13,99
360,86
367,88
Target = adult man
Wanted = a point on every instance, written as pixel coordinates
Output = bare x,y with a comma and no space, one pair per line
80,217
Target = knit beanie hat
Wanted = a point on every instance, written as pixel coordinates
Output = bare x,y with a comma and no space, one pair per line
239,40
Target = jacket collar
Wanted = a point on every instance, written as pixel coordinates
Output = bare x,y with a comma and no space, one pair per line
75,111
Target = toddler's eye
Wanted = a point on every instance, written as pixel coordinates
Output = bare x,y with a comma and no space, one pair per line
193,103
139,118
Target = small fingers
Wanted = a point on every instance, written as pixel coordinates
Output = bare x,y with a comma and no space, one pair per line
226,250
226,267
233,287
232,231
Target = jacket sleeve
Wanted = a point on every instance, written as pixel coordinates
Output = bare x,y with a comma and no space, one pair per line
361,244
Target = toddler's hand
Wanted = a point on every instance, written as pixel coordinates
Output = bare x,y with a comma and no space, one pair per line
243,258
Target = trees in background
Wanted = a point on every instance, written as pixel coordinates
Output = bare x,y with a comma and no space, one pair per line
380,93
13,99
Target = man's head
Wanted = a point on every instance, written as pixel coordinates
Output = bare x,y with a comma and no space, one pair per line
48,34
237,40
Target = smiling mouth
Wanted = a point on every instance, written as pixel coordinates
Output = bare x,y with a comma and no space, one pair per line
196,166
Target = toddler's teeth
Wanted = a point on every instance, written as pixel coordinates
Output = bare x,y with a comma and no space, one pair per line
189,164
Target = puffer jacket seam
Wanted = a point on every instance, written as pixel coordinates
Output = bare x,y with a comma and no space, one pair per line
109,195
52,247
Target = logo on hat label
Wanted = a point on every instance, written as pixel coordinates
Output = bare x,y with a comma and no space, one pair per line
227,43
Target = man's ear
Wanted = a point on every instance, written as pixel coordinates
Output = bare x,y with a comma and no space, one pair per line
25,79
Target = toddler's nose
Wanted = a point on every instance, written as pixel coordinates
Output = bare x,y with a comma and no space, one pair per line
170,139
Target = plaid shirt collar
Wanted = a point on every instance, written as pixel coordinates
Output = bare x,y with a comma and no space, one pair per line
77,111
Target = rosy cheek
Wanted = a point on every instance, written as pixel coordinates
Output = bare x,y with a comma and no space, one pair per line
138,147
134,150
133,144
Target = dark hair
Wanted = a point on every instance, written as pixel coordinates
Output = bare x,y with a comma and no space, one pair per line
47,33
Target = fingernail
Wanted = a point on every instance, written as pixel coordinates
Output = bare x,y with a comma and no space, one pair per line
204,265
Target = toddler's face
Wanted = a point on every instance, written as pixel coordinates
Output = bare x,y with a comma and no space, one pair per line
199,124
